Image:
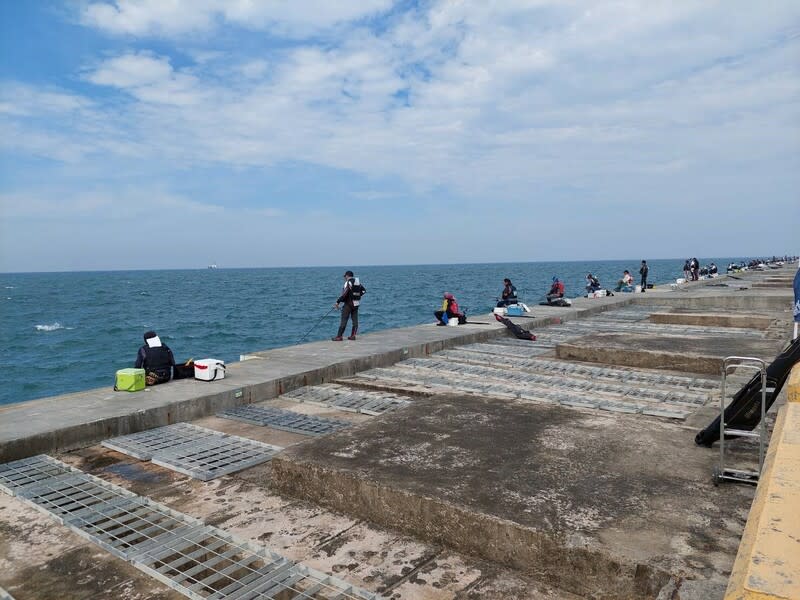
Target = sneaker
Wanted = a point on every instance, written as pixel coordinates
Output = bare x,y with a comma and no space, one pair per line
338,338
351,337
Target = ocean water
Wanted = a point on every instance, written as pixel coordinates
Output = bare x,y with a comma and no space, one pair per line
67,332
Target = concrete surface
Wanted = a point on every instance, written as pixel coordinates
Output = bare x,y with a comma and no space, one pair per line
78,420
713,319
455,496
768,561
597,505
691,354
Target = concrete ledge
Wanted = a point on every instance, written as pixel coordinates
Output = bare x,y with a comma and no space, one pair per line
793,385
712,320
79,420
478,534
751,300
772,284
696,355
767,565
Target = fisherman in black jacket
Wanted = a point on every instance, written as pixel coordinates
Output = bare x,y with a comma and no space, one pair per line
156,359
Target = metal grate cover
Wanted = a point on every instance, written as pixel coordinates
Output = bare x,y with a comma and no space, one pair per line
194,451
285,420
18,475
216,456
344,398
146,444
198,560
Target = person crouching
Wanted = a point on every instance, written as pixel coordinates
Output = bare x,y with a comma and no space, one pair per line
449,310
156,359
556,290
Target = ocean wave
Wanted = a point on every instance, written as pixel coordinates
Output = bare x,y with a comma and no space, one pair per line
53,327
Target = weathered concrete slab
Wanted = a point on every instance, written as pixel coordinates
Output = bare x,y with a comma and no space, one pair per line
772,284
41,561
398,566
726,319
695,355
597,505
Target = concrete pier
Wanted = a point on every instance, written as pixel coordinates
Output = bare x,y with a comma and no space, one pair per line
467,464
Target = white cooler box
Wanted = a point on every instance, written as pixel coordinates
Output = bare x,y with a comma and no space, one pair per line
209,369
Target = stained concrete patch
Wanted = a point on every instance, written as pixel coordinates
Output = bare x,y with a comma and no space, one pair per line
692,354
513,586
91,573
587,502
41,560
375,558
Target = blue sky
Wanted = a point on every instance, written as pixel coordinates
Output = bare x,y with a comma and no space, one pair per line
142,134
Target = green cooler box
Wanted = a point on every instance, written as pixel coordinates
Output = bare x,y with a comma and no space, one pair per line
129,380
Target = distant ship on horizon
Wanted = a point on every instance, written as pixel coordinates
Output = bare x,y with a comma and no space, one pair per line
213,266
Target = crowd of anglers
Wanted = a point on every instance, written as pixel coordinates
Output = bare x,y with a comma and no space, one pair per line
159,363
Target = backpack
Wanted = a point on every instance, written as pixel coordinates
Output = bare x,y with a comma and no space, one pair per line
357,291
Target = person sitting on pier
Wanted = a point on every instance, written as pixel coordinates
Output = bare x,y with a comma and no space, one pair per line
626,283
593,283
449,310
556,290
156,359
509,295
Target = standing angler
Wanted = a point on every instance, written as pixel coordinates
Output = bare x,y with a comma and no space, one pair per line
643,271
352,291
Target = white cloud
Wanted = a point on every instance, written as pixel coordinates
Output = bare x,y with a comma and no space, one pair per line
102,205
477,98
178,17
149,78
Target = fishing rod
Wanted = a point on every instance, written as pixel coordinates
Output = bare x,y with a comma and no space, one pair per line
313,327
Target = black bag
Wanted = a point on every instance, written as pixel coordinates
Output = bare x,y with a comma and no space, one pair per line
744,411
184,371
519,332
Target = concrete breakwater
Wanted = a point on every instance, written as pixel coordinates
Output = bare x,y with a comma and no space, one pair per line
465,464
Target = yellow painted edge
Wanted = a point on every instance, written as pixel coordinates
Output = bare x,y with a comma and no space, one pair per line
763,510
793,386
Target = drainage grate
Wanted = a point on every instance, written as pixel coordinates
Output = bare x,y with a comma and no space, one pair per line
146,444
344,398
197,560
18,475
194,451
286,420
211,564
215,456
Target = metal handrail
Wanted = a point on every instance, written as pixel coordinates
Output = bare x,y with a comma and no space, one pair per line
756,364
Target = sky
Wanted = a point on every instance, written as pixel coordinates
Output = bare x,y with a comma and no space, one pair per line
141,134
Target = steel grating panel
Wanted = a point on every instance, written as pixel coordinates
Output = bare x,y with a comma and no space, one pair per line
584,394
215,456
195,559
431,365
548,366
367,402
285,420
194,451
145,444
20,474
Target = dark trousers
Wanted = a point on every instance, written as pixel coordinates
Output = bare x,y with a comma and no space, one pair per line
644,283
440,313
348,312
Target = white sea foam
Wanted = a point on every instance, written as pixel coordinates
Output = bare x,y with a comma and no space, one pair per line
54,327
